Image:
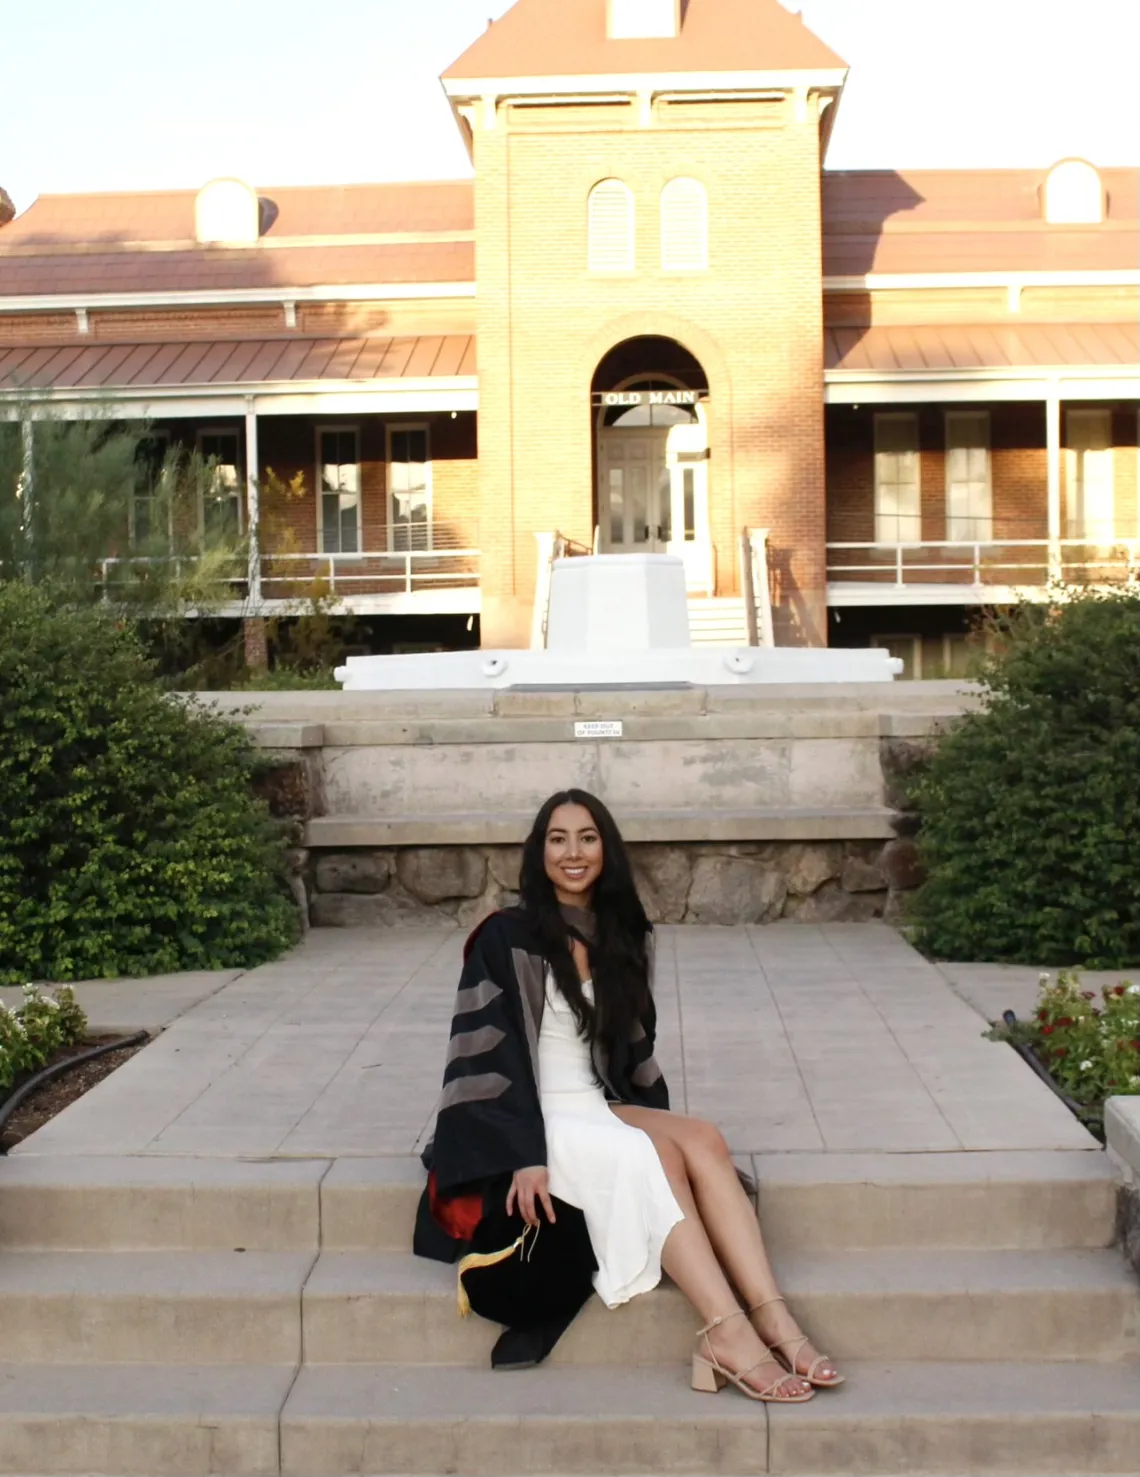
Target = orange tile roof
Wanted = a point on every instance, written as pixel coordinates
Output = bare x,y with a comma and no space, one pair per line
203,269
556,38
309,210
989,346
969,221
196,364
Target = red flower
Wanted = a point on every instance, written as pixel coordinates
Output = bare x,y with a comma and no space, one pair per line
1060,1051
1042,1014
1119,990
1088,994
1065,1021
1046,1030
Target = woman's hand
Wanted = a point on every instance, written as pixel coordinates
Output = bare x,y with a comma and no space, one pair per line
529,1189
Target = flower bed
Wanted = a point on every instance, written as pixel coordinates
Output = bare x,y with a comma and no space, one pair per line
1088,1044
35,1031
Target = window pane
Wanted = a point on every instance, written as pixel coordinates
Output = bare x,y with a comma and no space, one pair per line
617,505
330,523
689,479
898,497
408,483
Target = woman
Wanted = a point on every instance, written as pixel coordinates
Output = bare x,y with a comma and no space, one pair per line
552,1089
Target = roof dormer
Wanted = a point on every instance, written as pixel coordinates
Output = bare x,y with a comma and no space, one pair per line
643,20
1073,194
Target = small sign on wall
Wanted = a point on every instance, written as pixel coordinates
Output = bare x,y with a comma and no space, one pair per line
595,730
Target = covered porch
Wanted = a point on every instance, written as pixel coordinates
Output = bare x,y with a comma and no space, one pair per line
956,480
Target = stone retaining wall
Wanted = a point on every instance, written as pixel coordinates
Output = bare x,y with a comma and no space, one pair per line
698,882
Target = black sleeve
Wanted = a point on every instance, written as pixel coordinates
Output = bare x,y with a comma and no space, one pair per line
489,1120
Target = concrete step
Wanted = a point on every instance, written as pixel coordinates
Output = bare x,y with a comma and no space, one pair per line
142,1420
222,1308
103,1202
824,1202
896,1420
374,1308
810,1202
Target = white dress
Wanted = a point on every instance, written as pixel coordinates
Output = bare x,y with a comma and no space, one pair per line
609,1170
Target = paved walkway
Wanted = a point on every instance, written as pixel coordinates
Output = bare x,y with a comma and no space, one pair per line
837,1039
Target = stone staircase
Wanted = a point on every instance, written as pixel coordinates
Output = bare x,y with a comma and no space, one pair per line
718,621
169,1317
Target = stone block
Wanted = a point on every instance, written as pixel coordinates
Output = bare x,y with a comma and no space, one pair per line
434,874
904,760
359,871
902,865
663,875
808,867
832,905
503,863
382,910
729,890
862,870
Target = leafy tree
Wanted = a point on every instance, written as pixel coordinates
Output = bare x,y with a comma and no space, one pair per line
1031,807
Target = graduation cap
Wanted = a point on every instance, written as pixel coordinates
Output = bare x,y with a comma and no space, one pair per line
522,1276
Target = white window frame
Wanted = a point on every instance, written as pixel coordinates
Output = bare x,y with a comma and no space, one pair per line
1078,523
162,437
628,261
882,518
339,429
239,491
393,428
699,259
954,536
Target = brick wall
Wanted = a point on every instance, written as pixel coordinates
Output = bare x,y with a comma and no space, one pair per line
754,321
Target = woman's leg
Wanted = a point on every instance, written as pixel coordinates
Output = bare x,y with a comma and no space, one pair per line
692,1264
730,1221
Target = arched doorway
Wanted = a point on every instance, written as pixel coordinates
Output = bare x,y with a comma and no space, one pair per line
651,455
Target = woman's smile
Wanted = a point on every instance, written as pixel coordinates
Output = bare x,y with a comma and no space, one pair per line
573,855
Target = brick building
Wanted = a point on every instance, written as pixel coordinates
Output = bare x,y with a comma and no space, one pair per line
858,404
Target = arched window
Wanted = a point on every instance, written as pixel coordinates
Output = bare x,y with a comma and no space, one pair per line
1074,195
684,226
611,227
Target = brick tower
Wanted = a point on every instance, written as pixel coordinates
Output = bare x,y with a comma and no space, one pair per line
648,219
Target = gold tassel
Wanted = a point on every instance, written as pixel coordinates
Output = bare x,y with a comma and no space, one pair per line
476,1259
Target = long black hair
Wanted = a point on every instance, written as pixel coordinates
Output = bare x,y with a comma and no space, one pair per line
616,944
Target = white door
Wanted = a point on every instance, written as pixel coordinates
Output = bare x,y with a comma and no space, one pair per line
634,495
1092,512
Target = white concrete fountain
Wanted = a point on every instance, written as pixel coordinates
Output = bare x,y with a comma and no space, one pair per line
618,620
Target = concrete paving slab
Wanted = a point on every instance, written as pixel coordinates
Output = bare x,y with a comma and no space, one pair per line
123,1006
795,1039
994,988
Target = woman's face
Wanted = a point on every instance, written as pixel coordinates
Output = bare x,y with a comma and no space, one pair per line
573,854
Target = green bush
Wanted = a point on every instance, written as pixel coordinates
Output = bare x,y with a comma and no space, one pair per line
31,1034
129,840
1031,807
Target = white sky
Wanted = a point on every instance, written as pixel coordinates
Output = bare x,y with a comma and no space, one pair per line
151,94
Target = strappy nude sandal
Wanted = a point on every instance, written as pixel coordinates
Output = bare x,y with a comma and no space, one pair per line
710,1375
789,1360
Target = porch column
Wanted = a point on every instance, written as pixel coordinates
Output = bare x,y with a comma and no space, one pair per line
254,634
253,495
1053,456
27,494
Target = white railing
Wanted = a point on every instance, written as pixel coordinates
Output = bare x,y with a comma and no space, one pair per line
292,576
756,587
385,572
551,546
980,563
